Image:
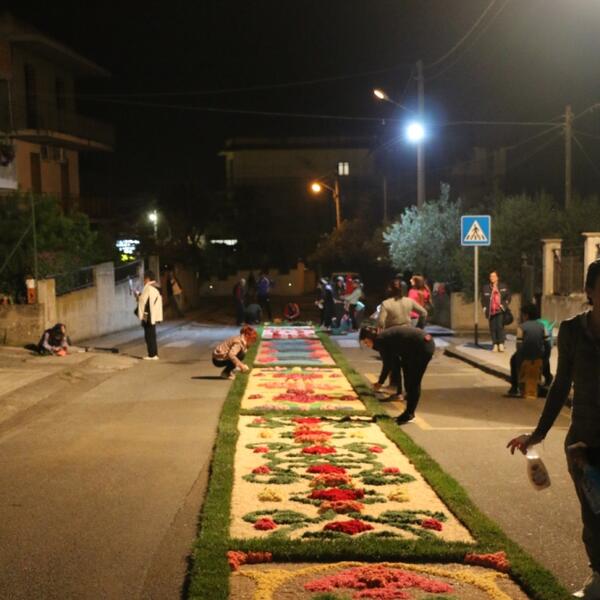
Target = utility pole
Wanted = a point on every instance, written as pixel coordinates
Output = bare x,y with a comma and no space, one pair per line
568,154
336,198
34,231
420,145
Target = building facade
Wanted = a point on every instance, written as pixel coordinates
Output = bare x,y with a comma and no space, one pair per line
41,132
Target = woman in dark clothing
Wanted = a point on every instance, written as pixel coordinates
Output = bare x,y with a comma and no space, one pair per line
578,366
54,341
328,302
414,348
495,298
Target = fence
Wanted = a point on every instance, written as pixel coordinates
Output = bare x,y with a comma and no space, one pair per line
71,281
568,271
127,271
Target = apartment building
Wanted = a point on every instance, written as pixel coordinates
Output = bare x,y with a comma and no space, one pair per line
41,132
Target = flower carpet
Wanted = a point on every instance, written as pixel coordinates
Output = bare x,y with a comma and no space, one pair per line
326,478
293,352
300,389
315,494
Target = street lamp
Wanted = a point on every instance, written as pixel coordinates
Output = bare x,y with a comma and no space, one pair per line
153,218
316,187
415,133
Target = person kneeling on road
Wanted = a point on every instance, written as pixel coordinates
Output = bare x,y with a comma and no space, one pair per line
414,347
230,353
54,341
531,340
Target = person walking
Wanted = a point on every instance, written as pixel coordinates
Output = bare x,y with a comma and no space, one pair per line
414,347
150,312
421,294
578,367
495,298
176,293
230,353
239,297
531,339
352,299
263,294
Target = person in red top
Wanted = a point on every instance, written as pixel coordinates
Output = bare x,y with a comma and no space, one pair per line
421,294
495,298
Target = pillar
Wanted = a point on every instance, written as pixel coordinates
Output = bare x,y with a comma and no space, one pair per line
551,248
591,249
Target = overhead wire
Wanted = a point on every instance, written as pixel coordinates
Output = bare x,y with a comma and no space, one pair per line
463,39
587,156
472,43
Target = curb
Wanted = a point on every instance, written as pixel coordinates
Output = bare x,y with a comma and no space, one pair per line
455,352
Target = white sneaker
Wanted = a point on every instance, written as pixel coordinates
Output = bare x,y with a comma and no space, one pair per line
225,374
500,347
495,348
591,588
150,357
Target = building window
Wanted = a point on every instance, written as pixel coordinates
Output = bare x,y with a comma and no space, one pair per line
343,168
31,107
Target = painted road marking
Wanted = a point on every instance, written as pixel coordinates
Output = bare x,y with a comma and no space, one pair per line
180,344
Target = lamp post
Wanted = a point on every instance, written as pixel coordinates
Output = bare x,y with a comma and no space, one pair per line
317,187
415,133
153,218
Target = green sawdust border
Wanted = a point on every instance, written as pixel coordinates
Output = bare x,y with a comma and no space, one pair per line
210,572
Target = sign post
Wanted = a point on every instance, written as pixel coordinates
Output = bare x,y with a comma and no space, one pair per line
476,230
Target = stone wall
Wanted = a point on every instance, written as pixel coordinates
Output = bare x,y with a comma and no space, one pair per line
558,308
461,313
21,324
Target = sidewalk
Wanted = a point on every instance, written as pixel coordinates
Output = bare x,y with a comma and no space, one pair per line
482,357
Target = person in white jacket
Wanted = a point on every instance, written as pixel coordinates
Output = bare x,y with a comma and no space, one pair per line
150,312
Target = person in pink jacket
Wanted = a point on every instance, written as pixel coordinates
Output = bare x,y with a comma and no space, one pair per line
421,294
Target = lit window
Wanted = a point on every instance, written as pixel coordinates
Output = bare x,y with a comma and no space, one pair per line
343,168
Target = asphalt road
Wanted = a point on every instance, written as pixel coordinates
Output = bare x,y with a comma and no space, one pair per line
464,423
103,466
104,461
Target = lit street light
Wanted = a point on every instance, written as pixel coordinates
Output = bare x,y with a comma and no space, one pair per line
316,187
415,133
153,218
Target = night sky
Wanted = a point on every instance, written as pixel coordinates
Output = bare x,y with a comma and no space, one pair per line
526,61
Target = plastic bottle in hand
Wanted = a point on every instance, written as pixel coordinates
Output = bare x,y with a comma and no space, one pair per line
538,474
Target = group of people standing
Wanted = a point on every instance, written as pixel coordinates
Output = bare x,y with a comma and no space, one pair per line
252,298
340,304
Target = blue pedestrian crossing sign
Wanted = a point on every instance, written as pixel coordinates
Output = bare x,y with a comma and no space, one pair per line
476,230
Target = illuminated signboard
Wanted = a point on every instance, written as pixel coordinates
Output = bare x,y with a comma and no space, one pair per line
127,248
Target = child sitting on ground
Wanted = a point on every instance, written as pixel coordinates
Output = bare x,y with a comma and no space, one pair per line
230,353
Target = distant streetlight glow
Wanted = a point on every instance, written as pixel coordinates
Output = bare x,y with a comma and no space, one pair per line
415,132
316,187
380,94
153,218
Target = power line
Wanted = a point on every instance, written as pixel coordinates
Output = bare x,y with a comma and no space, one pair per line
587,156
478,35
463,39
253,88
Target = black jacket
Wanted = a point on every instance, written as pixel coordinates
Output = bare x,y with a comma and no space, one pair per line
486,297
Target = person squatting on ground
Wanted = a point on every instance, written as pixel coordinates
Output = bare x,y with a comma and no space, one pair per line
239,299
495,298
253,314
414,348
421,294
578,366
230,353
54,341
263,294
150,312
291,312
531,343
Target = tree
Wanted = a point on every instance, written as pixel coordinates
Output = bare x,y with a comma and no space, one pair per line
425,240
64,242
355,246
